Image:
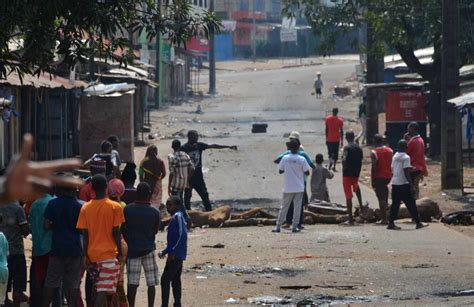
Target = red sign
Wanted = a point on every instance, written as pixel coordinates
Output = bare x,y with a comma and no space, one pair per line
405,106
197,44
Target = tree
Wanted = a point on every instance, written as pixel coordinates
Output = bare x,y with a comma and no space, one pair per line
38,36
398,25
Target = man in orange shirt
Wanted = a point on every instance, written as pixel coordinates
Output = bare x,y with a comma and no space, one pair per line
100,220
381,172
334,134
416,151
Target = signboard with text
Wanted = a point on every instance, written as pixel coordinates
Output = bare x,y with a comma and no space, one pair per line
405,106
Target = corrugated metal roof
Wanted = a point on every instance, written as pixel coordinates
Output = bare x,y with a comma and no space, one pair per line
463,100
43,81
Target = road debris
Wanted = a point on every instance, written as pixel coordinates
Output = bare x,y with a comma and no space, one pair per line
232,300
259,128
420,266
268,300
218,245
295,287
459,218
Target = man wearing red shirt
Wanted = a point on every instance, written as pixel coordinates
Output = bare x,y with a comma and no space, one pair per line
381,173
416,151
334,133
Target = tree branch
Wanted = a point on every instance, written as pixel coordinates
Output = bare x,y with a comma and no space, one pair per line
408,56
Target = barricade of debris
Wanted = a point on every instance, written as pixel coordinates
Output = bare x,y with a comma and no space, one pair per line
317,212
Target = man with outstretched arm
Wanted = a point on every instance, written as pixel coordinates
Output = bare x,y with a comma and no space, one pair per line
194,149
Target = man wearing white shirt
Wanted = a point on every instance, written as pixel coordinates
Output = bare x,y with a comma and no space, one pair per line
402,187
294,168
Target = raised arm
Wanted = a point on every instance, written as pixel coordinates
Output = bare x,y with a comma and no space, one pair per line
217,146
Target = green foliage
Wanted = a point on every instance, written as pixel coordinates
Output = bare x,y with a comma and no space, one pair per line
48,33
398,24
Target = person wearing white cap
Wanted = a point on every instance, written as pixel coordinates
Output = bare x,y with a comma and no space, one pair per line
295,135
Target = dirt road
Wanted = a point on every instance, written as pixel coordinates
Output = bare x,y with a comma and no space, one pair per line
337,265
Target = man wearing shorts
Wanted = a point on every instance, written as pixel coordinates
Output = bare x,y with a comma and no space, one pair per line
66,256
381,174
142,222
351,166
334,133
100,220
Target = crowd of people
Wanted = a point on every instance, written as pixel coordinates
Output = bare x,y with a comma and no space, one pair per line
94,231
405,170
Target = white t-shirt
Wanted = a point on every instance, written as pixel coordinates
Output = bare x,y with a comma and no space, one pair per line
294,166
400,161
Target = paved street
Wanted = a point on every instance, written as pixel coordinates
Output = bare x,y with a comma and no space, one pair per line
359,265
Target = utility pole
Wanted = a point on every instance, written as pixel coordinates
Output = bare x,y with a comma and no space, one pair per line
254,34
212,58
375,67
158,66
451,139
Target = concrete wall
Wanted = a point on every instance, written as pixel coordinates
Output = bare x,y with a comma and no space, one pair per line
103,116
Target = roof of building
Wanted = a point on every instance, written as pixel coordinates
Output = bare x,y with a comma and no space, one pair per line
42,81
464,100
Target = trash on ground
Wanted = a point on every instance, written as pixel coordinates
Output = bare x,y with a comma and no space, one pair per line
201,277
459,218
268,300
218,245
295,287
420,266
259,128
232,300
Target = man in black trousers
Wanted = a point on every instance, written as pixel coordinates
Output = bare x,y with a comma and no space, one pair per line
402,187
194,149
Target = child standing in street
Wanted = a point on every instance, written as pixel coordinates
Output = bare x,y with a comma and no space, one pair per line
319,188
176,250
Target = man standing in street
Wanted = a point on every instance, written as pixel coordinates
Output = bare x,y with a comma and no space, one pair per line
351,167
181,170
65,263
294,168
194,149
334,134
381,174
402,187
142,222
100,220
416,151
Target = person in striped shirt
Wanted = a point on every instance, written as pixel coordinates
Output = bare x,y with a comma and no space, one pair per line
181,169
